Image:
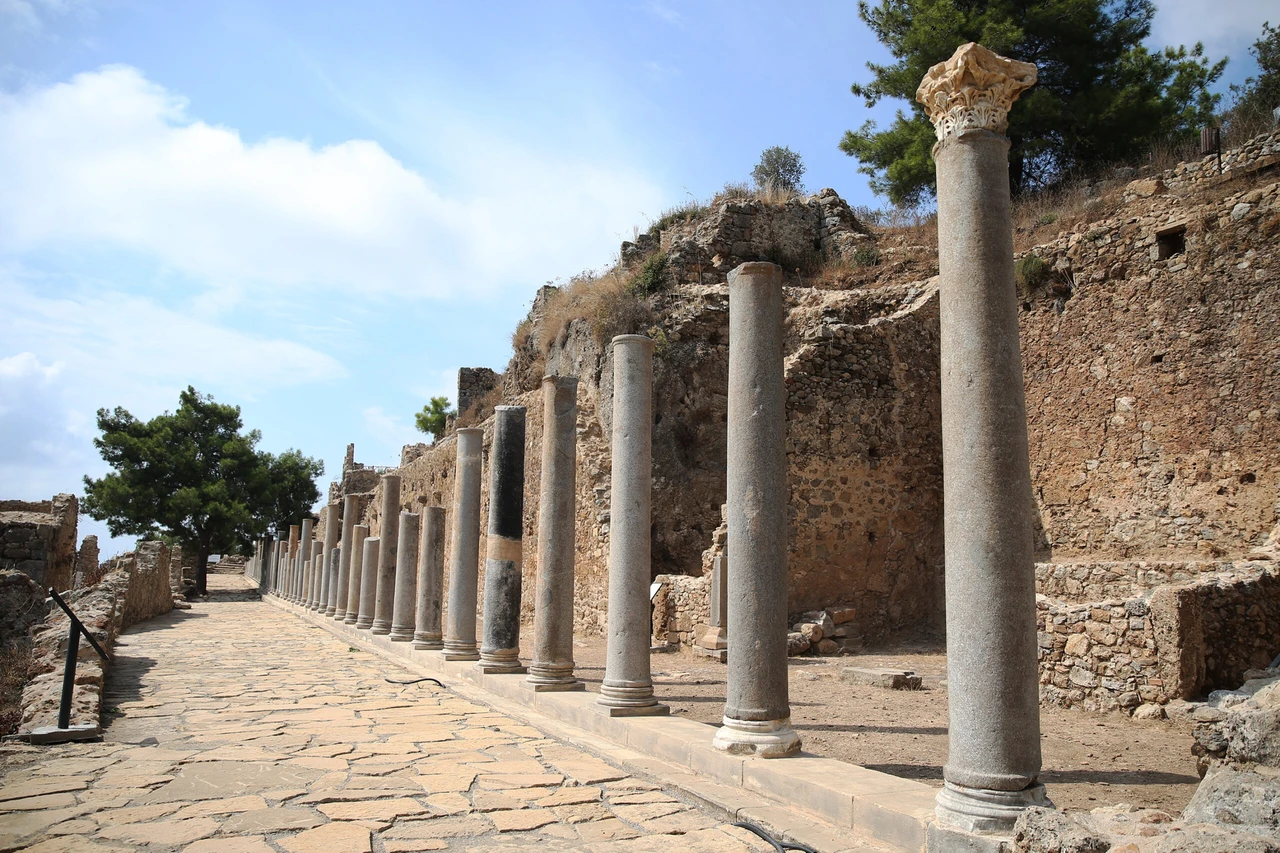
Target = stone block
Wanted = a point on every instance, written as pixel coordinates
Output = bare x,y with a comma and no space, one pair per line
891,679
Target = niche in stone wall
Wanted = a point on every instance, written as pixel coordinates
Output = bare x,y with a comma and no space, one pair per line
1170,241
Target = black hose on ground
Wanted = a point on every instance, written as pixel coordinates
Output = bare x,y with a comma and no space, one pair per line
415,681
779,846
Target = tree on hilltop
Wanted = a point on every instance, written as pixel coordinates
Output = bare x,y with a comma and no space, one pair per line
779,168
433,417
1101,96
193,475
1253,101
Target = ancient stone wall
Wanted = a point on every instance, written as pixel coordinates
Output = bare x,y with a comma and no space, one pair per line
473,384
1175,641
681,609
1152,375
1086,582
39,539
134,587
87,570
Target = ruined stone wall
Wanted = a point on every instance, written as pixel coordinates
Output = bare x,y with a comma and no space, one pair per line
38,538
149,592
1176,641
681,609
87,570
473,384
1152,374
1086,582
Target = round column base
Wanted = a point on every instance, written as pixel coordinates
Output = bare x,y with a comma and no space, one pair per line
503,662
350,619
330,612
984,810
761,738
544,677
339,615
459,650
364,624
629,699
427,640
401,634
380,626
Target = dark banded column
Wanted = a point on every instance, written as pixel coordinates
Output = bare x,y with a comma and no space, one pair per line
500,651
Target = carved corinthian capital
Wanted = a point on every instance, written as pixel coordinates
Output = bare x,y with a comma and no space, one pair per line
973,90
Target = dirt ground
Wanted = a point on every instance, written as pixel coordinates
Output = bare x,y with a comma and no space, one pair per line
1090,759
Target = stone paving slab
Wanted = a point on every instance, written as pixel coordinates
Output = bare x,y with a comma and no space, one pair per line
236,727
823,798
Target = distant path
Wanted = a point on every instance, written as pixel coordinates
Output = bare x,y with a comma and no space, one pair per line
239,728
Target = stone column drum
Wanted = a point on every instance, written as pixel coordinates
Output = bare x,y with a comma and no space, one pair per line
341,590
314,591
552,667
627,688
464,564
384,600
329,584
359,533
757,712
992,688
368,582
427,634
406,592
500,651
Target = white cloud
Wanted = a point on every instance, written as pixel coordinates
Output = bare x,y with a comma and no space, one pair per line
20,15
26,364
392,432
110,159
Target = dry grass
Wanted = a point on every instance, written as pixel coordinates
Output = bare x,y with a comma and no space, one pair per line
481,409
609,302
15,664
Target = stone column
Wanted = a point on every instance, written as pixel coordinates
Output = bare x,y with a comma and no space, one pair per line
552,667
715,642
318,559
359,533
427,634
329,583
757,713
304,554
288,559
992,687
368,582
500,651
464,564
389,534
406,588
627,688
342,589
268,565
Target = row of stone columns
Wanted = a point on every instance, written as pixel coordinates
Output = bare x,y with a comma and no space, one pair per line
991,772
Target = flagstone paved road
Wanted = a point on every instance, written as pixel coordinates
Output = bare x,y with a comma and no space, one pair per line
236,727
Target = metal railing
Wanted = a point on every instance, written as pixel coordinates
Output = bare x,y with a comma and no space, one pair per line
73,654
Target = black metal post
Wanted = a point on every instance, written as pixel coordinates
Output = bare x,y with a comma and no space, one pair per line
69,675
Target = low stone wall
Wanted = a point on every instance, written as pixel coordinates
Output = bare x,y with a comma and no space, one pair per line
1084,582
681,609
1256,154
1177,641
135,587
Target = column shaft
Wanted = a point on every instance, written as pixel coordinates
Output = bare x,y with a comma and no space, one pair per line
552,667
627,688
342,590
359,532
389,536
368,582
757,713
304,554
329,585
464,563
504,542
406,586
427,634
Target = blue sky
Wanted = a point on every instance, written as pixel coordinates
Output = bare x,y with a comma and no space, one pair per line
319,211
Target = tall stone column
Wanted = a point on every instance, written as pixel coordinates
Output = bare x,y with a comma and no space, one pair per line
627,688
406,589
552,667
464,564
757,711
341,589
328,584
290,557
992,688
368,582
318,559
384,601
268,564
427,633
304,554
359,533
504,544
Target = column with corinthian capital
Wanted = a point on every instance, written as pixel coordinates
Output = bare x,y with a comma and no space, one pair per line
992,685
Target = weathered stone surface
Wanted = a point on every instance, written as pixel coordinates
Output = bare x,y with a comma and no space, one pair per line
338,837
1042,830
890,679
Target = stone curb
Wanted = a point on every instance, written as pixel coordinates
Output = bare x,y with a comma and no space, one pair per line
882,812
